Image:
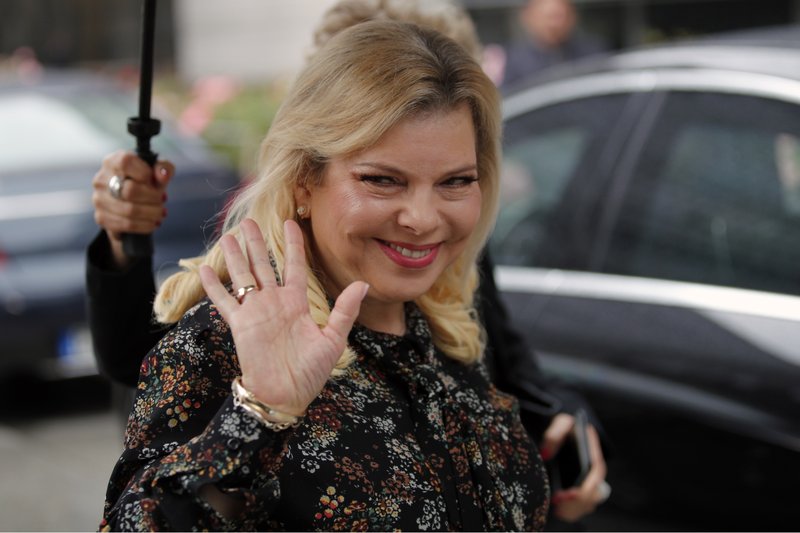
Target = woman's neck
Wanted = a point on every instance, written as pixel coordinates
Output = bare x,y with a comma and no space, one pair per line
383,317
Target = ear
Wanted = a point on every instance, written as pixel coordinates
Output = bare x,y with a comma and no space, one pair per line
302,195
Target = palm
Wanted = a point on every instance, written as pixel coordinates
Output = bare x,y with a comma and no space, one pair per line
284,356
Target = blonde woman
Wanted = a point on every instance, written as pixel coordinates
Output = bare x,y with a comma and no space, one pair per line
331,378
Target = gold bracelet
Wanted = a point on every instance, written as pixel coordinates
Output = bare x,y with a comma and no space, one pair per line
271,418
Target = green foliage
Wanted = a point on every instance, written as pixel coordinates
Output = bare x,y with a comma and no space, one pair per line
232,118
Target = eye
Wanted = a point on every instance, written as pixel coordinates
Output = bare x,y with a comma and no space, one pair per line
457,182
378,180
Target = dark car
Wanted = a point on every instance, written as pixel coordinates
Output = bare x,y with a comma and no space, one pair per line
648,246
54,132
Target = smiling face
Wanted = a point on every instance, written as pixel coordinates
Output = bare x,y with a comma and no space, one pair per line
398,213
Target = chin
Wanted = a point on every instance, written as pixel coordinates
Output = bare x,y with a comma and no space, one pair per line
407,294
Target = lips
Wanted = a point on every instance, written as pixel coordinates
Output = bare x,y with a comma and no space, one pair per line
409,255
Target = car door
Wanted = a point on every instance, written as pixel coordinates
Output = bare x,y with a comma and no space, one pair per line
682,325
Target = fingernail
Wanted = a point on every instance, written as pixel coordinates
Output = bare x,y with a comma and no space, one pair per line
545,453
163,171
366,290
165,213
158,224
164,197
561,497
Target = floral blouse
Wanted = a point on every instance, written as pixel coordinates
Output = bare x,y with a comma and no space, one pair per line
407,439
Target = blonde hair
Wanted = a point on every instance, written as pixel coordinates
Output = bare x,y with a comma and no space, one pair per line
362,83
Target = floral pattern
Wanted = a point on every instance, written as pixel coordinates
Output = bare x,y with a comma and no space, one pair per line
407,439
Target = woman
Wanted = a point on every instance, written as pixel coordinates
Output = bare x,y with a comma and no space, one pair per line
271,406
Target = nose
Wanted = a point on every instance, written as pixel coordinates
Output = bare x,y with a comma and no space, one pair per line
419,213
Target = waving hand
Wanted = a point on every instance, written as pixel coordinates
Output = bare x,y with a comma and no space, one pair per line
285,357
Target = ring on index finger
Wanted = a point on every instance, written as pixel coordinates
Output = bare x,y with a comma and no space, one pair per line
115,186
242,291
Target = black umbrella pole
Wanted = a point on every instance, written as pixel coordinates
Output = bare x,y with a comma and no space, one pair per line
144,127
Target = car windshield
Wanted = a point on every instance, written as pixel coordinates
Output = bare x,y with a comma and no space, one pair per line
40,131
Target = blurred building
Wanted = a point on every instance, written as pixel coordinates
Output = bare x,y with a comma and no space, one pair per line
626,23
246,39
63,33
257,39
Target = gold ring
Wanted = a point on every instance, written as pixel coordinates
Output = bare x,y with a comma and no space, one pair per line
242,291
115,186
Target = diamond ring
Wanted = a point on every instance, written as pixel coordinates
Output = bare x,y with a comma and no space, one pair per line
242,291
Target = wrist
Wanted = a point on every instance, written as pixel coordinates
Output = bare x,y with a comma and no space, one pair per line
119,259
263,395
270,416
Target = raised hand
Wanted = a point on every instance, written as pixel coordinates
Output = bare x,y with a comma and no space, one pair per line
284,355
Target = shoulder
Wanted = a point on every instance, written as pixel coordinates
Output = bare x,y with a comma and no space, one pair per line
201,340
184,379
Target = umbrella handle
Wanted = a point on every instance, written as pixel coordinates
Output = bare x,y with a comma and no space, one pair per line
143,127
136,244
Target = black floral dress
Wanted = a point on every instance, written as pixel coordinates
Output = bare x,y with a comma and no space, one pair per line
407,439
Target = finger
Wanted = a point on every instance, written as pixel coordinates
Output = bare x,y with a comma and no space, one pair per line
104,203
141,193
216,292
598,472
163,173
345,312
294,271
237,264
132,166
555,434
257,254
134,193
115,223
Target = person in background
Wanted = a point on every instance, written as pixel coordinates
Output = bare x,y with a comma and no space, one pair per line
120,311
551,37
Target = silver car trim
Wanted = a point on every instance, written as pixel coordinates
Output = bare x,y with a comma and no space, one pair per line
723,412
60,203
23,206
677,79
648,291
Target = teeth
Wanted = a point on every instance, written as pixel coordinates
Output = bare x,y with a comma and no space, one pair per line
405,252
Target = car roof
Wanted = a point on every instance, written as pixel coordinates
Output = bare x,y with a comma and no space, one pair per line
65,80
771,51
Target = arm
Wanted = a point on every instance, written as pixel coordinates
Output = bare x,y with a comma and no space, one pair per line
186,437
513,365
120,290
193,460
545,404
120,312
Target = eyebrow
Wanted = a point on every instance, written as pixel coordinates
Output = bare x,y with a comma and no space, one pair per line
382,167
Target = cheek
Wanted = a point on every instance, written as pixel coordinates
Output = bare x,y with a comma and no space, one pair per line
469,213
350,214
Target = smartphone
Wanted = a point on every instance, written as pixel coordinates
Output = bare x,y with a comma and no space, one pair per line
572,463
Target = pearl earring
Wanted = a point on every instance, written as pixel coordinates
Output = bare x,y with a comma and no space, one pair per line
301,211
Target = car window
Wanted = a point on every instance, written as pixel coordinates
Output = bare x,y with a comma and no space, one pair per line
43,130
40,132
715,196
544,152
